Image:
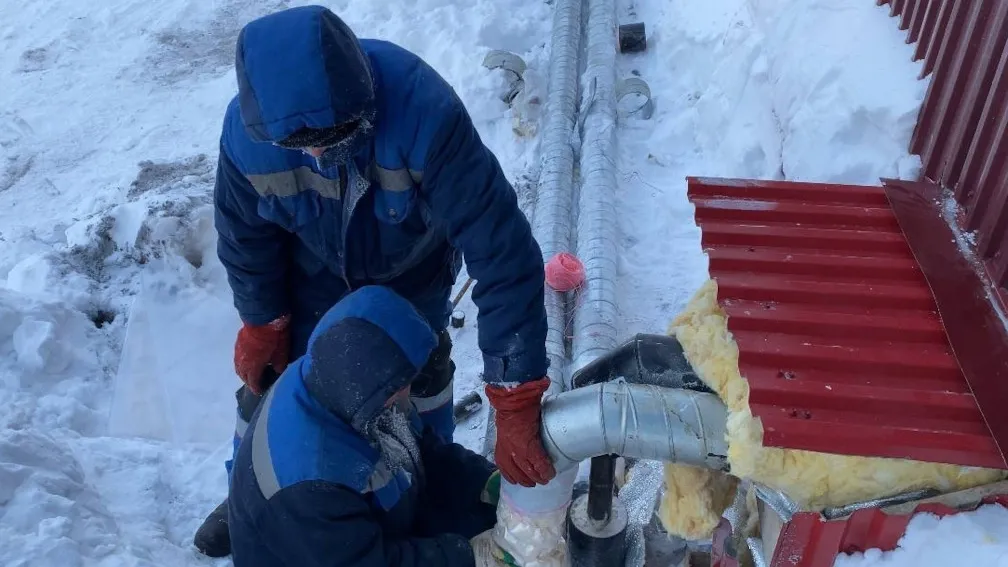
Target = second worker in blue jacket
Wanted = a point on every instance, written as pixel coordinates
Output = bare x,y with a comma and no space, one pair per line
345,163
336,469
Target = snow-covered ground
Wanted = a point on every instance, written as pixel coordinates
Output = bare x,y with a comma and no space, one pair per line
115,322
974,538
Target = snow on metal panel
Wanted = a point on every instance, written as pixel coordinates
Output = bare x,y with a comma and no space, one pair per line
837,330
962,129
809,540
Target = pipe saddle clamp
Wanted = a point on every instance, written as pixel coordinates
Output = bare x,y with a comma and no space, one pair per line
635,86
514,65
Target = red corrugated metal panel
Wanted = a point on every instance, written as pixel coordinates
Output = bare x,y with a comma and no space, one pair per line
838,332
962,130
810,541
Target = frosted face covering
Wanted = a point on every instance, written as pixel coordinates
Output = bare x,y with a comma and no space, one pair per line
339,142
390,432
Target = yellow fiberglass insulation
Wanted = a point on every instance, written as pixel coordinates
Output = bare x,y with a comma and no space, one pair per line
813,480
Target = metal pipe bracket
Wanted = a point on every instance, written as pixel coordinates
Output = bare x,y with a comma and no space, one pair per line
637,86
515,67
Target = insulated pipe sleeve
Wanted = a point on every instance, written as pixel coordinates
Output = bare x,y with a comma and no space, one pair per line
595,329
637,421
553,219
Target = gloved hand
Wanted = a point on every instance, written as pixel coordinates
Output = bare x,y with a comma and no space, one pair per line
519,452
488,554
259,345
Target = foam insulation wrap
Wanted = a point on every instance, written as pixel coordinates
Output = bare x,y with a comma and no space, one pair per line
694,500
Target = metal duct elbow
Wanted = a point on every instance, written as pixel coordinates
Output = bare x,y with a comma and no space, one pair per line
637,421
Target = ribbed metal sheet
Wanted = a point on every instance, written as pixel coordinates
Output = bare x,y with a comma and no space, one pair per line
962,130
810,541
837,329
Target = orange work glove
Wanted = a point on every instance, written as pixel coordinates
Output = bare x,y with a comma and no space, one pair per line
519,452
259,345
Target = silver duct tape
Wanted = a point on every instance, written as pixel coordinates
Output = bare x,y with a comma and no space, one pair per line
777,501
635,546
840,511
776,509
635,421
737,514
785,507
755,546
641,494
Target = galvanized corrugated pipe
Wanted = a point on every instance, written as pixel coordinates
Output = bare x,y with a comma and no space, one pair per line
637,421
553,218
595,331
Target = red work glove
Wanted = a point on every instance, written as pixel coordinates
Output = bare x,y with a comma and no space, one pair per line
519,453
259,345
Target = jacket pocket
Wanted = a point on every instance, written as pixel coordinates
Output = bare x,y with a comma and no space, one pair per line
394,207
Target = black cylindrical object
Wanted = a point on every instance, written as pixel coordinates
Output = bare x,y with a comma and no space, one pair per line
596,544
458,319
632,38
467,407
601,483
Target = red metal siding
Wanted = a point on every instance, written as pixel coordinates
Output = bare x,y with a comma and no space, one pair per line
962,128
838,332
810,541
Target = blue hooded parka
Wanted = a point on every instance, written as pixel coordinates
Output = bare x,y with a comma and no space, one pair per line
420,192
308,488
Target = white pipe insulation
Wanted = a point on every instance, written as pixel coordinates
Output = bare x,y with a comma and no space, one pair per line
595,330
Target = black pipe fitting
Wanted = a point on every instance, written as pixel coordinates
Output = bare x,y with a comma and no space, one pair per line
597,519
601,484
632,38
657,360
592,543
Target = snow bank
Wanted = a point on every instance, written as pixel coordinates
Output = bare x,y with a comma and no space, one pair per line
968,538
821,90
50,514
845,92
47,360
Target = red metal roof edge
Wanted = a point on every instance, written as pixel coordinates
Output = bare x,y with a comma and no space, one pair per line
808,270
809,540
975,331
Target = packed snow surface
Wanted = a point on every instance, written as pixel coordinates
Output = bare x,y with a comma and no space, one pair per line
116,327
968,538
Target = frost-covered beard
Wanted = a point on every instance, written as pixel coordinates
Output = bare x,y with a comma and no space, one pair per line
391,434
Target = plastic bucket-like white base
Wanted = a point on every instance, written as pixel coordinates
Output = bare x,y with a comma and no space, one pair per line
531,521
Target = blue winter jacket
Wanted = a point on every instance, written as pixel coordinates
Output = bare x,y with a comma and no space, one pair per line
307,489
422,193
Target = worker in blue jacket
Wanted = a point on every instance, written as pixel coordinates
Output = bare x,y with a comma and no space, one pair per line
335,469
346,163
